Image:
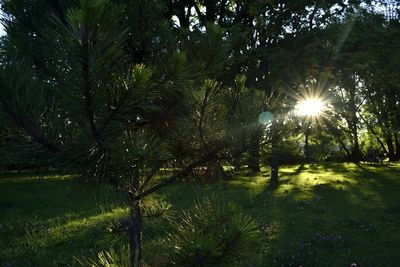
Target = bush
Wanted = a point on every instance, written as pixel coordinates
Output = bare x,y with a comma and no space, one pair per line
213,233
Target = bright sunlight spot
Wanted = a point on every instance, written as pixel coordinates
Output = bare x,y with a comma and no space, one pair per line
310,107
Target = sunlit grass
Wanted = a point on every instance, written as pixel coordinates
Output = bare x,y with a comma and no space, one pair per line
320,215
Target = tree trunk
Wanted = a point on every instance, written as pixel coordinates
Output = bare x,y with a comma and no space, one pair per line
215,171
135,243
337,134
356,153
210,10
389,142
274,158
136,257
397,144
371,129
306,147
352,119
237,163
238,151
254,151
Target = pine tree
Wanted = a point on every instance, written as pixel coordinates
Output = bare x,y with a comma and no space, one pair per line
97,86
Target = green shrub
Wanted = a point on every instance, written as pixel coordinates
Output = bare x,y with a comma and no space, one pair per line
213,233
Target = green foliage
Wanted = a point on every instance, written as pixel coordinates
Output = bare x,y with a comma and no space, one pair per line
110,258
153,208
212,233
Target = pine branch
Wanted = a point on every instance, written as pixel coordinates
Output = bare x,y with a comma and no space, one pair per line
184,172
120,103
58,9
87,90
29,127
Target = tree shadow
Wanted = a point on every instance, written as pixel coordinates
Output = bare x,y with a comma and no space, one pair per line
50,219
285,176
317,224
349,215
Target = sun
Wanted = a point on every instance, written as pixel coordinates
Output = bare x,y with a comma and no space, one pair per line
311,107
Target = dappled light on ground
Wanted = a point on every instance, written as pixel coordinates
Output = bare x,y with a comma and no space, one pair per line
320,215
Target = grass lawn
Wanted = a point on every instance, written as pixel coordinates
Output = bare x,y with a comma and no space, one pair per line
321,215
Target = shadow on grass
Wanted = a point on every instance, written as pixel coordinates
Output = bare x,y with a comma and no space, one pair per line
320,215
50,219
346,214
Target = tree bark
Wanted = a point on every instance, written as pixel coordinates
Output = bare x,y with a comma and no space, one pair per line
238,151
337,134
135,243
211,9
254,150
274,158
397,144
389,142
371,129
353,123
306,146
237,163
356,153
